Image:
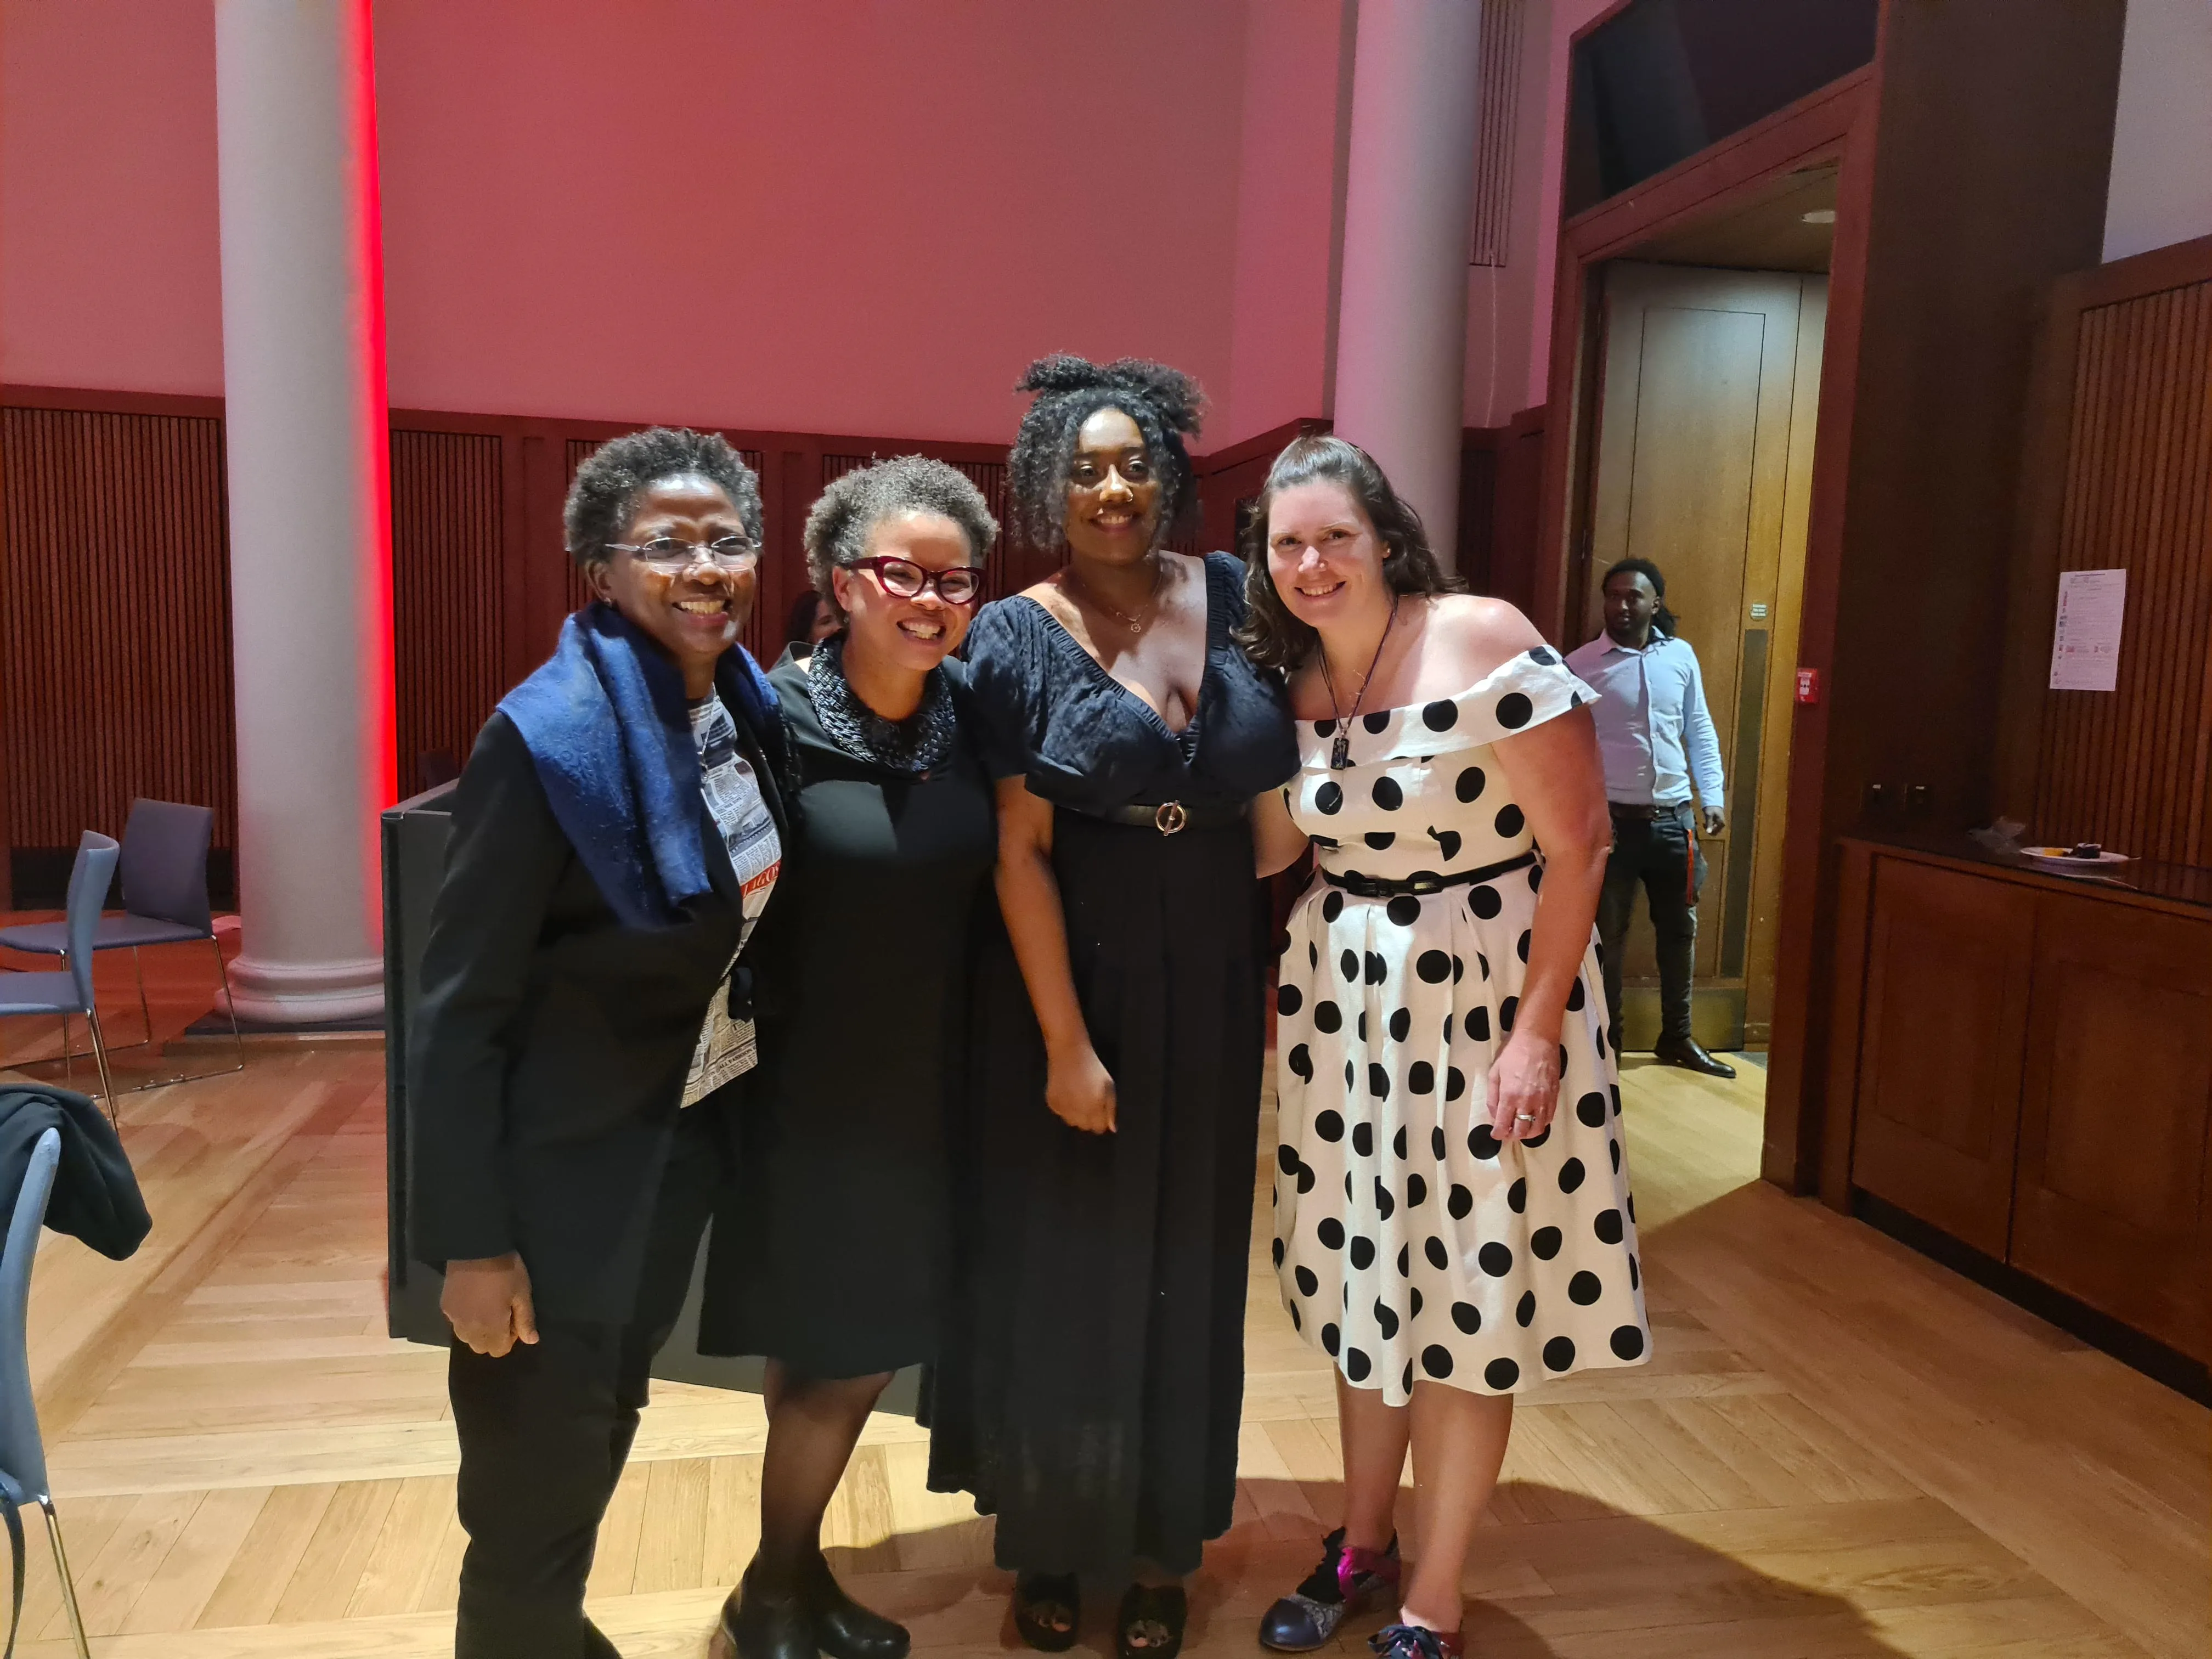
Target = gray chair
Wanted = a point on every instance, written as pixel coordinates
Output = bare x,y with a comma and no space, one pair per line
69,991
165,902
22,1452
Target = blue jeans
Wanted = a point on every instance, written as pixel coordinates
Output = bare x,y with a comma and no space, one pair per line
1662,854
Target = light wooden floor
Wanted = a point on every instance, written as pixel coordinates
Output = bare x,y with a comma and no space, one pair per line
1839,1450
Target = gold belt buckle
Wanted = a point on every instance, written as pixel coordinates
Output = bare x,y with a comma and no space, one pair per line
1169,817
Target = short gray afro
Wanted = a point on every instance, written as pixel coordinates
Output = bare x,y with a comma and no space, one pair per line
604,497
838,528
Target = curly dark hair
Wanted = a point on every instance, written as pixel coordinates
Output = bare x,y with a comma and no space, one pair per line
604,499
1166,404
849,511
1271,635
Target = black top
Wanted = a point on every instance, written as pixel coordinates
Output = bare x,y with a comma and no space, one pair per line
838,1227
552,1041
1084,741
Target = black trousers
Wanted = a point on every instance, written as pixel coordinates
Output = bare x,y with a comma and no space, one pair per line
544,1431
1662,855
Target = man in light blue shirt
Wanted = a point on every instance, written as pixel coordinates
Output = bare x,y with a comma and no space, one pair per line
1656,736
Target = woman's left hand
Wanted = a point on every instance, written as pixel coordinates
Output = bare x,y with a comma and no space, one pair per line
1524,1086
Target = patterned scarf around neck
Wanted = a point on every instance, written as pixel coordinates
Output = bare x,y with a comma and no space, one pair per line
912,746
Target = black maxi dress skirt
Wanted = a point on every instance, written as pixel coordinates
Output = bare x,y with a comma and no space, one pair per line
1090,1385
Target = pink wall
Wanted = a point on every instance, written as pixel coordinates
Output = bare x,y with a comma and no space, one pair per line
110,271
856,215
827,214
834,216
1291,152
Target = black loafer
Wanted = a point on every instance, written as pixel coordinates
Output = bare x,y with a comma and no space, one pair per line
844,1628
761,1626
1691,1057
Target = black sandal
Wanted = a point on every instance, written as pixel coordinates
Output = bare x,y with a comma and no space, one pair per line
1048,1607
1152,1621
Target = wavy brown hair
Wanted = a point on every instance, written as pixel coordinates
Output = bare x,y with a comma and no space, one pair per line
1271,635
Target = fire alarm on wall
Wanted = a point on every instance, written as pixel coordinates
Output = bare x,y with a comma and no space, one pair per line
1808,685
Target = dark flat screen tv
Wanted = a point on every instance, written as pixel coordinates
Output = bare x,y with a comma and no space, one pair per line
1661,79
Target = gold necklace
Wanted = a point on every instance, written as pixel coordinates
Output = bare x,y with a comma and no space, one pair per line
1084,595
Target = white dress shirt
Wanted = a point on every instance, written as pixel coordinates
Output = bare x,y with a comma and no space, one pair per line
1655,733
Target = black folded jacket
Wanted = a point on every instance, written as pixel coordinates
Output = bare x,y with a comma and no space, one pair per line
96,1196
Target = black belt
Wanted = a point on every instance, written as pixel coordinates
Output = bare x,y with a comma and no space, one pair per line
1642,814
1421,881
1170,817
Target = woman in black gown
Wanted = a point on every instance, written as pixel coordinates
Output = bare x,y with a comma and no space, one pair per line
839,1221
1091,1380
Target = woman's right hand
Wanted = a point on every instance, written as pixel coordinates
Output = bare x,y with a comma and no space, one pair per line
1080,1091
488,1304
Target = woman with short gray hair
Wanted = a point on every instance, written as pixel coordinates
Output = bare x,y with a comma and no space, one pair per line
833,1253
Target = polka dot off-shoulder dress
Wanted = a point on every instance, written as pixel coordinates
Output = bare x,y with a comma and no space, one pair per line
1410,1241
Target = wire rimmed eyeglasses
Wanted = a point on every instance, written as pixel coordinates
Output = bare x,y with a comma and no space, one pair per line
670,553
962,584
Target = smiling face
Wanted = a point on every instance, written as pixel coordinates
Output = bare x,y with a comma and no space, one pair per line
1323,554
693,614
1113,491
913,634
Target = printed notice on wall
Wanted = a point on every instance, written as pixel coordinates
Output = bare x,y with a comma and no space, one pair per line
2085,646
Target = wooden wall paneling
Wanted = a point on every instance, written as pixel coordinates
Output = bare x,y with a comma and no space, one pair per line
1476,553
1516,501
1940,1042
1854,924
2123,453
799,479
2113,1199
1800,1054
1498,67
517,544
117,638
449,586
1957,242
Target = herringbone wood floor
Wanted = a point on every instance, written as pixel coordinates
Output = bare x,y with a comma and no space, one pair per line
1839,1451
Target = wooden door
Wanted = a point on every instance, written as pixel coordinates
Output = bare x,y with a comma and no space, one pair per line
1940,1048
2111,1201
1703,465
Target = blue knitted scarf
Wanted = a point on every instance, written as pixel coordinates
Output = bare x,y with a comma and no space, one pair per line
606,724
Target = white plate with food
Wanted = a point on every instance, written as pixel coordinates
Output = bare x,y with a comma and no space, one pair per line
2083,858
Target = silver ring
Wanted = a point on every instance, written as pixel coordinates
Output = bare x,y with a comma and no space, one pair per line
1524,1117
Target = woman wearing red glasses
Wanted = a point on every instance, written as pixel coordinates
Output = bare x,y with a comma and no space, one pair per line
840,1221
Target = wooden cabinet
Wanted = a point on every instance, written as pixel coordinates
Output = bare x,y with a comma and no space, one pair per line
2032,1074
1945,1024
2111,1204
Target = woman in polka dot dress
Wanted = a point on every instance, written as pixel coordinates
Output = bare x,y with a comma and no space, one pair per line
1452,1214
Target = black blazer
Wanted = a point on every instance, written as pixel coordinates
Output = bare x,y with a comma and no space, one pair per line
552,1042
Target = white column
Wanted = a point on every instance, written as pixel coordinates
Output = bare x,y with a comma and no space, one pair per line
1409,198
310,542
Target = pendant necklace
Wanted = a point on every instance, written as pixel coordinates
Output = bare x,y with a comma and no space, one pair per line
1340,751
1132,624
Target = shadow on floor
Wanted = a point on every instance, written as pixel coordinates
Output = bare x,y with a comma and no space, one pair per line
1595,1582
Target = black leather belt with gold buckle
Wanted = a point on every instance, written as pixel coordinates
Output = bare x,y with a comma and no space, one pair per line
1171,818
